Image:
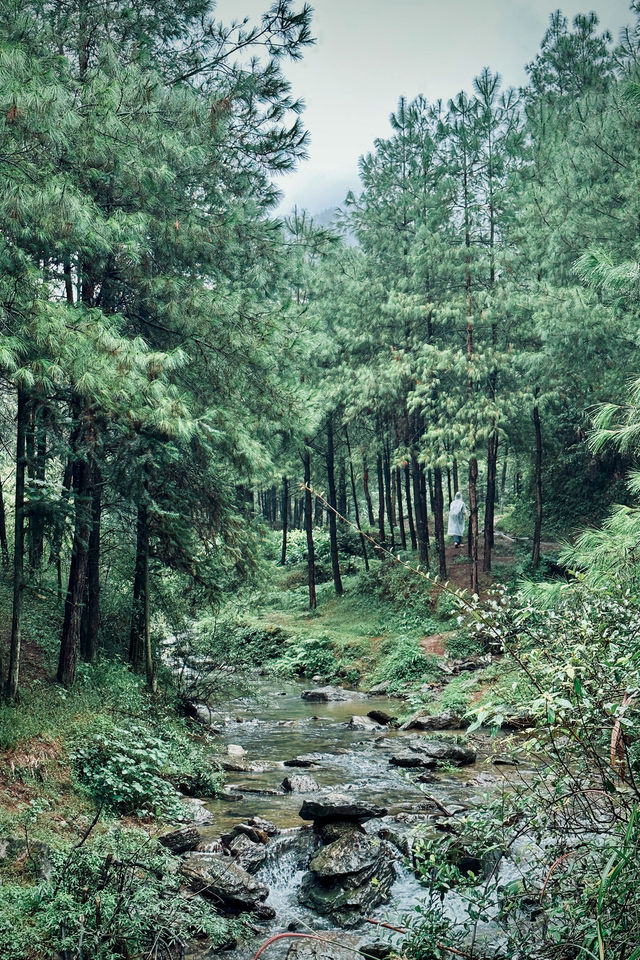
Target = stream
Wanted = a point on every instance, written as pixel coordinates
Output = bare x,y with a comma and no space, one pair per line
273,725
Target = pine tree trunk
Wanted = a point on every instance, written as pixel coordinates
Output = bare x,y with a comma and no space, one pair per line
342,489
285,519
333,526
408,498
490,501
421,520
438,520
367,493
473,522
38,473
389,495
354,494
90,627
319,513
81,482
537,472
308,524
456,486
449,485
403,536
58,530
139,638
13,677
4,546
381,531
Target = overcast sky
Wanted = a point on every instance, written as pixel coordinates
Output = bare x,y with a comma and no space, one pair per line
370,52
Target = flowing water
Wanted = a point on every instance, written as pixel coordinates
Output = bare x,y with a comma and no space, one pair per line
275,724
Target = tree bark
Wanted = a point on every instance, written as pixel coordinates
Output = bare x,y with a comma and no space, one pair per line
537,532
285,519
456,487
490,501
354,494
342,505
389,495
403,535
4,546
140,638
333,526
90,627
18,549
381,531
407,494
308,525
81,482
367,493
421,520
438,520
473,522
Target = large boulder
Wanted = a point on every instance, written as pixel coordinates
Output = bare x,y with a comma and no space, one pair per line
428,753
339,806
223,881
447,720
348,878
328,693
363,723
248,854
182,840
381,716
300,783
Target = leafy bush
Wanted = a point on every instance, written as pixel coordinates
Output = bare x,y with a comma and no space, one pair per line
125,768
404,664
115,897
309,656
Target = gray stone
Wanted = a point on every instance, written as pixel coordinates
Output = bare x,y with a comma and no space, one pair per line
182,840
223,881
328,693
352,853
339,806
337,949
303,762
300,784
427,753
378,690
447,720
381,716
363,723
249,855
196,812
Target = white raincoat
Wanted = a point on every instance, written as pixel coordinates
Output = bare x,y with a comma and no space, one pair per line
457,514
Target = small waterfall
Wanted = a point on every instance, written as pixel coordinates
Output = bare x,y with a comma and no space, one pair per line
283,869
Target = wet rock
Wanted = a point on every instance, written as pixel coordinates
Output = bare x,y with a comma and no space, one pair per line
235,750
447,720
303,762
331,830
517,720
249,855
411,760
196,812
300,784
261,791
250,830
339,806
328,693
362,723
241,765
378,690
504,761
323,950
352,853
182,840
381,716
434,750
348,878
378,950
219,879
262,911
266,826
228,793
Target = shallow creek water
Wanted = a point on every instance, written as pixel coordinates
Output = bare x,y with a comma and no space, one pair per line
275,724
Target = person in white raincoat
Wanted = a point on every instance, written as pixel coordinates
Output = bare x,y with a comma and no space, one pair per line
457,514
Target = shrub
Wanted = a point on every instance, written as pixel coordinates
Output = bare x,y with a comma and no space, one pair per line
404,664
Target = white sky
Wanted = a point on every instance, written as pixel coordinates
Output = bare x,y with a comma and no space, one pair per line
370,52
